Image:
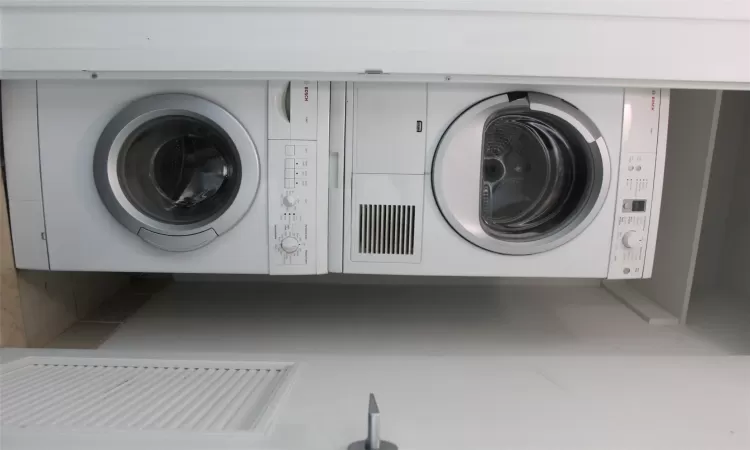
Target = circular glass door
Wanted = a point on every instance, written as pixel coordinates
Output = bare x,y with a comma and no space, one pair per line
174,166
521,173
179,170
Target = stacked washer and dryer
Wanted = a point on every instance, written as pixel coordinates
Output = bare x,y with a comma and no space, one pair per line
426,179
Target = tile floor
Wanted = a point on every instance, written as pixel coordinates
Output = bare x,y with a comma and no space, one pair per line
100,324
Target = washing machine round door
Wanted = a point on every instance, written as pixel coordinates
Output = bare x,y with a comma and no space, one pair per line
521,173
177,170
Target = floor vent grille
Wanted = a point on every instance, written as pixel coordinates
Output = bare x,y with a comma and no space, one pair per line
112,394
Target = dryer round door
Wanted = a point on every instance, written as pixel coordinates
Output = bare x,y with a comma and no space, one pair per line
177,170
521,173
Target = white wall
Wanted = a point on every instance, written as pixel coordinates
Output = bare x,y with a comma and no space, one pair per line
736,260
728,188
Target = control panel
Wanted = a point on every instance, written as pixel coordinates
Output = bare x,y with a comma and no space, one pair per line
292,181
291,206
636,183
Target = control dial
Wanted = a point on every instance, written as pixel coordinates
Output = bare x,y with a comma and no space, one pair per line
290,200
632,239
289,244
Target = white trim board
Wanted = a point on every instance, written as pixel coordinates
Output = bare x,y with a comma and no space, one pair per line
646,309
391,280
369,77
343,43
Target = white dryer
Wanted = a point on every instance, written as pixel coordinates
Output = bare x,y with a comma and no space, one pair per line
499,180
157,176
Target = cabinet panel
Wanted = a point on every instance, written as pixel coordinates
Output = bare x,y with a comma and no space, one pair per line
389,128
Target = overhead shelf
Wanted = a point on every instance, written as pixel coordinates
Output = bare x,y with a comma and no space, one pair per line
578,42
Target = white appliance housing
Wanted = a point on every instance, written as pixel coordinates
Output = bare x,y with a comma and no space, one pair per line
168,176
422,192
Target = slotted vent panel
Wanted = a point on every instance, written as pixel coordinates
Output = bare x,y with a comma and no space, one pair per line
386,229
129,396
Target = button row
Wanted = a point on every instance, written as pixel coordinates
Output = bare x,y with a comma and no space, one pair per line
289,169
294,171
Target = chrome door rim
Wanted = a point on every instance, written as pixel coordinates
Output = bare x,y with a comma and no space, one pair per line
455,199
142,111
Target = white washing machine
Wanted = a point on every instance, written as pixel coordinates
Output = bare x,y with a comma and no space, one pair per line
165,176
498,180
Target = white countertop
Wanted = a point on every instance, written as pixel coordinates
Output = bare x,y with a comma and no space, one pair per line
467,368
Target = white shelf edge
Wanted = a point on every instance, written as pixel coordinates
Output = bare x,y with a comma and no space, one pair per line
355,77
686,9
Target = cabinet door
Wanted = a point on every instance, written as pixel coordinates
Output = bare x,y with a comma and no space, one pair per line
389,128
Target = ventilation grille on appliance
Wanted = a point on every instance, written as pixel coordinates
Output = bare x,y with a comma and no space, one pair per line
137,395
386,229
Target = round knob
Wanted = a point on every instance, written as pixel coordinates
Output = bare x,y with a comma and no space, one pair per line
631,239
290,200
289,244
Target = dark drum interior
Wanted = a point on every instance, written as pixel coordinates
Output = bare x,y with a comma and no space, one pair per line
537,175
179,170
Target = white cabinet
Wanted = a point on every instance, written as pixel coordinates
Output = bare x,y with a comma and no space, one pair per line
23,184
